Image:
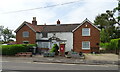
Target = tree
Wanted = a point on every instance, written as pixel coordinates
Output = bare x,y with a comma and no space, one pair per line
104,36
104,21
1,29
7,34
118,9
110,23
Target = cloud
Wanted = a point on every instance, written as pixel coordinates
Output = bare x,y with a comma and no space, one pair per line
70,13
90,10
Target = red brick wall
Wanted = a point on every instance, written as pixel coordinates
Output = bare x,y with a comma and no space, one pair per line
20,38
94,38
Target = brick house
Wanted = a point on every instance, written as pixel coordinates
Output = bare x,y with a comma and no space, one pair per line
81,37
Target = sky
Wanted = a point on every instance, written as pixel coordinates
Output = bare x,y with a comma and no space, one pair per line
14,12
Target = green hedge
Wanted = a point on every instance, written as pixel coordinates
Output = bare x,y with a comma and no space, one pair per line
112,45
13,49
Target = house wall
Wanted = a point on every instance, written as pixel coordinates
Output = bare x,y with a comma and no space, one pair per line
94,38
38,36
20,38
68,36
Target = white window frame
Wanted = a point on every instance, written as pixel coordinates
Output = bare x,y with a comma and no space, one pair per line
25,35
87,48
43,44
83,33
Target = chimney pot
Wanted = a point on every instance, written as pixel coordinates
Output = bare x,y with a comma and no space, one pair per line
58,22
34,18
34,22
44,23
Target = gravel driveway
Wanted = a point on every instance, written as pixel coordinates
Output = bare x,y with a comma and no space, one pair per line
105,57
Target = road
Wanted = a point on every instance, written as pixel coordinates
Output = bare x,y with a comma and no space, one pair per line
11,65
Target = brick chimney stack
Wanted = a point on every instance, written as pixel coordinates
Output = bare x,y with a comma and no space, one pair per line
58,22
34,22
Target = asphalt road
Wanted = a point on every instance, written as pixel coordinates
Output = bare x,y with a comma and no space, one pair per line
10,65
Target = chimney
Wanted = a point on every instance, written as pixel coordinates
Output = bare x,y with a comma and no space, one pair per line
34,22
58,22
44,23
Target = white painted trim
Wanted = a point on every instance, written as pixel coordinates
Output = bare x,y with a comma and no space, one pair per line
86,20
30,27
20,26
23,25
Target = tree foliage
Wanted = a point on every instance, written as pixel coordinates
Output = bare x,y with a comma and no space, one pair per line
7,34
104,36
1,29
109,24
117,9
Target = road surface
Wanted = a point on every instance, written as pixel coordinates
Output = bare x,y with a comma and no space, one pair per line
10,65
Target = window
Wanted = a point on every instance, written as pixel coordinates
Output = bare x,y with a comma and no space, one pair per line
85,31
85,45
43,44
26,34
44,34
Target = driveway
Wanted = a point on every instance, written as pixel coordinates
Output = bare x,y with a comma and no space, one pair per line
101,57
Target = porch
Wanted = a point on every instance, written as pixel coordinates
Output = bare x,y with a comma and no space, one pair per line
45,44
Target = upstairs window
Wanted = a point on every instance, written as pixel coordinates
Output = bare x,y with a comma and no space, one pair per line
25,34
85,31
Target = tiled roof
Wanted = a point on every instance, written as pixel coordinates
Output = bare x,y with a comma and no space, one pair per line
60,28
53,28
36,28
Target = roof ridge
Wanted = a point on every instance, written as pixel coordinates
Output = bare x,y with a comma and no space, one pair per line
59,25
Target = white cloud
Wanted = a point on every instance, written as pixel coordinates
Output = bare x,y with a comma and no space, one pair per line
70,13
90,10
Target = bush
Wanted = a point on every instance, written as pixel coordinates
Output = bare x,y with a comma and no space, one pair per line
55,49
31,45
112,45
13,49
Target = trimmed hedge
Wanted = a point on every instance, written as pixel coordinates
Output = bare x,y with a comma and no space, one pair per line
13,49
113,45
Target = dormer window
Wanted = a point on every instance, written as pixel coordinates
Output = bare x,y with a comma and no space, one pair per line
85,31
25,34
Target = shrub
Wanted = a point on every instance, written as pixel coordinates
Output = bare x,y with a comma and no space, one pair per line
13,49
31,45
112,45
54,48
